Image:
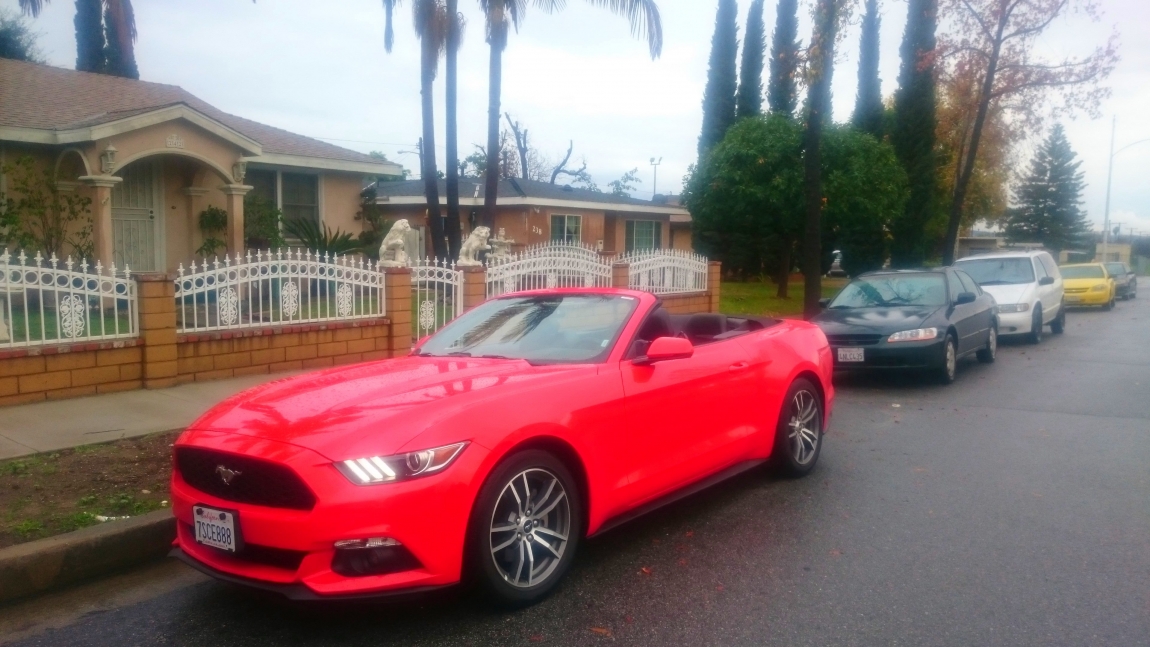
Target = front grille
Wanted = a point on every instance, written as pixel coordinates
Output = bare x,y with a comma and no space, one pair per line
266,555
256,481
1075,290
854,340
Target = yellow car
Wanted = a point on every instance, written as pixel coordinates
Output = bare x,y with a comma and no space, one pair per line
1088,284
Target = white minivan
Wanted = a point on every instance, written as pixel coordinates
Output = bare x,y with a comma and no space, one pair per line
1027,287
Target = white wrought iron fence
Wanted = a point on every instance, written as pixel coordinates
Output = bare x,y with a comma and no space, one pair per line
547,266
276,288
46,301
666,271
436,295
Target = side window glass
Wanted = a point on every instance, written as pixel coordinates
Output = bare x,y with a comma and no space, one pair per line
968,284
954,286
1040,269
1048,263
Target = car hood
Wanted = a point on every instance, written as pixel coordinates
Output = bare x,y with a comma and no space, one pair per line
873,320
383,405
1079,284
1007,294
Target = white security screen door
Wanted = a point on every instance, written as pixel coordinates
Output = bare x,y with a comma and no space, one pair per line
135,231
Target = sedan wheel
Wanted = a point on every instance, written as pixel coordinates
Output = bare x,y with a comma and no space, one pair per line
949,362
986,355
526,528
799,435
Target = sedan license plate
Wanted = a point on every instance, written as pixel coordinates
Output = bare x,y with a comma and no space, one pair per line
1073,299
215,528
851,355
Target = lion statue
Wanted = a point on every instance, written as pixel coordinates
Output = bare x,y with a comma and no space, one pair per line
392,252
475,243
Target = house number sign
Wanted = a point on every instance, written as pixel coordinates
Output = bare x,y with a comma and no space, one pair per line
175,141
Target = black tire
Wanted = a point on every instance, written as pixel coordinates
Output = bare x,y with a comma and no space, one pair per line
988,353
1035,336
486,567
797,449
949,368
1058,326
1109,305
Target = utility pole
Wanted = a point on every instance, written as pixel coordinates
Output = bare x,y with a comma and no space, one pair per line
655,181
1109,176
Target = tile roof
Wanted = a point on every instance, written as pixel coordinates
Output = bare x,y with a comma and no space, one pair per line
52,98
517,188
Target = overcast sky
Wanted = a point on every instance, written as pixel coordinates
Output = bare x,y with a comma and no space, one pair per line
319,69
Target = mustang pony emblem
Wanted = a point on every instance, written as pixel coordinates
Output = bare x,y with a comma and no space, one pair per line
226,475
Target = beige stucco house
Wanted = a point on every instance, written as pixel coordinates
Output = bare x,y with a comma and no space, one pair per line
152,157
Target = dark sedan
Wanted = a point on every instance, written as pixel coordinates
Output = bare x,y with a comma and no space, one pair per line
1125,280
910,319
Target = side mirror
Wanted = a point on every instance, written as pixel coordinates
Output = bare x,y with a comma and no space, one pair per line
665,348
964,297
1046,280
824,302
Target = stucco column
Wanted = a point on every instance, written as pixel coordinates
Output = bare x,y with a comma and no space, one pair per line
621,275
103,243
234,201
474,287
397,291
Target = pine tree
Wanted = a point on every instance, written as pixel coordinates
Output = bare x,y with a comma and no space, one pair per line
782,95
749,101
1049,199
89,24
719,96
868,114
913,135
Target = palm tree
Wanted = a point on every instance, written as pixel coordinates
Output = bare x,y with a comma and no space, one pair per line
455,25
430,26
120,22
501,16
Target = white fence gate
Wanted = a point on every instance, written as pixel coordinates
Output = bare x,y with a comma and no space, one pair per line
43,303
275,288
436,293
550,265
666,271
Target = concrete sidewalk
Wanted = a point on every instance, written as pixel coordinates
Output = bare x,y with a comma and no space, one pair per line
46,426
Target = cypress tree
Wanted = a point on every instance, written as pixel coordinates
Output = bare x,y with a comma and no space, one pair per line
868,114
120,62
913,135
719,96
749,101
89,36
782,96
1049,199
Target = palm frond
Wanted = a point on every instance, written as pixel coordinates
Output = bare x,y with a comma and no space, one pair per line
388,30
32,7
643,16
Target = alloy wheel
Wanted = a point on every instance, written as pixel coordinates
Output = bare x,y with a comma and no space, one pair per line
530,527
951,360
805,427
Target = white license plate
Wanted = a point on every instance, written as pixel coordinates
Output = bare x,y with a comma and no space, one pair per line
215,528
1073,299
851,355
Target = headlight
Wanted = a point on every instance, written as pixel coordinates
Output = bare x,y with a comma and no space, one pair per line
1100,288
922,334
376,469
1013,307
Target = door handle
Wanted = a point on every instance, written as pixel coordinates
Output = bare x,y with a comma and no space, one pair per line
738,366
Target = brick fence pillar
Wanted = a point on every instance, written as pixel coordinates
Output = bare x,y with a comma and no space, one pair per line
157,298
397,289
620,275
714,283
474,287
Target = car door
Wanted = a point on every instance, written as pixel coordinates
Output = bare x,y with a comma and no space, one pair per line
962,316
686,418
1052,297
984,313
1045,291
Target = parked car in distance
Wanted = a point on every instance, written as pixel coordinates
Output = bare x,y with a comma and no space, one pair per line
1088,284
1027,287
1125,280
489,453
910,319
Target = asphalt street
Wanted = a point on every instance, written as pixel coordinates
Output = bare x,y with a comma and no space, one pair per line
1011,508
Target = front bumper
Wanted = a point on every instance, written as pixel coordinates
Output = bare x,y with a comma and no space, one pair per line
1015,323
291,551
899,355
1088,298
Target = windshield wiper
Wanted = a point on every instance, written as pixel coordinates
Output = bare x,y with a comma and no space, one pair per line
495,357
998,282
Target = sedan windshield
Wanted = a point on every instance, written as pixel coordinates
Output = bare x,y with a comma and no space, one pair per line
1082,272
893,290
998,271
546,329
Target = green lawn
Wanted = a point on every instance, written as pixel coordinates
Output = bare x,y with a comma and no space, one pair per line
758,297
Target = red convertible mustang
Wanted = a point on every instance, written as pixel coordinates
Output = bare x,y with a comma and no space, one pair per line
531,422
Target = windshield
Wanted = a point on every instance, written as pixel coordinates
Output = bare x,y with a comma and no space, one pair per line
1115,268
547,329
998,271
893,290
1082,272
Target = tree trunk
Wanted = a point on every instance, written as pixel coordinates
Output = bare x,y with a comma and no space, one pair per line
951,243
429,171
783,278
495,79
453,223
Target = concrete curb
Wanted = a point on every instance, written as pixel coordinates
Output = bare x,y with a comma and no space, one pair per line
45,564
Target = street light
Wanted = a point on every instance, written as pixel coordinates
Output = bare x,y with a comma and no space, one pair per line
655,181
1109,176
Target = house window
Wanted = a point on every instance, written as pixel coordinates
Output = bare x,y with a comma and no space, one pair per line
567,229
300,195
644,234
263,184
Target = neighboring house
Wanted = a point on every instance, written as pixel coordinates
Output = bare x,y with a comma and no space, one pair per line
533,212
153,156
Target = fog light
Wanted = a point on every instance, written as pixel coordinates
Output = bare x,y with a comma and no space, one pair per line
374,556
